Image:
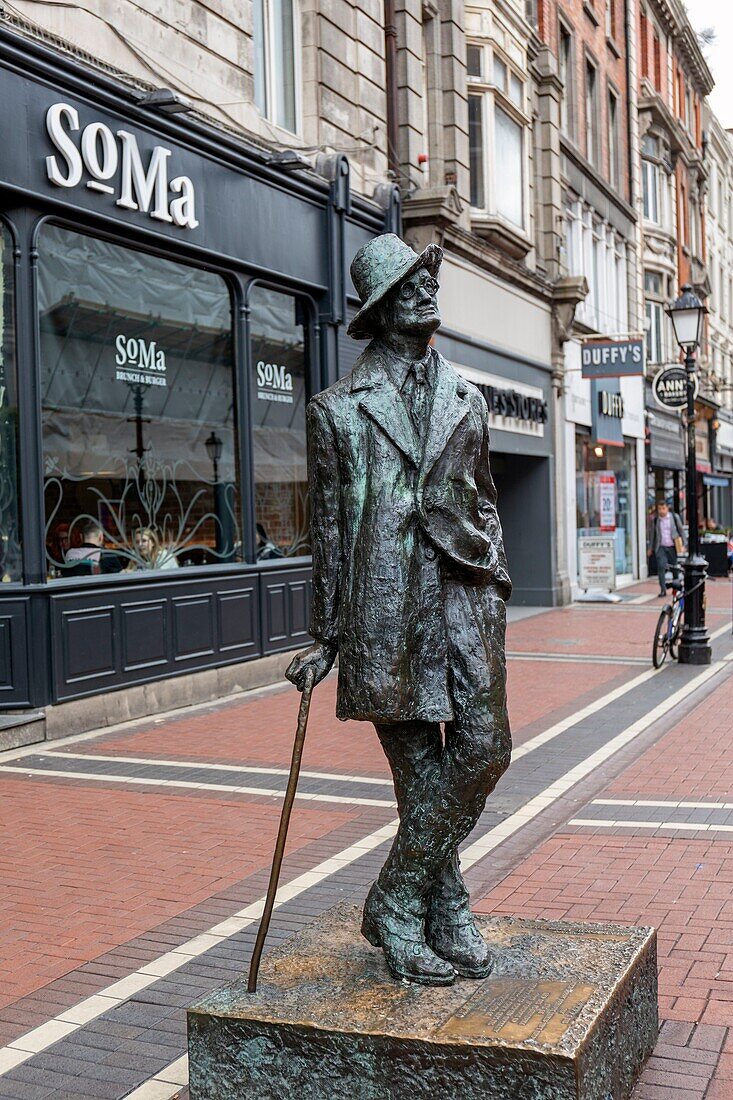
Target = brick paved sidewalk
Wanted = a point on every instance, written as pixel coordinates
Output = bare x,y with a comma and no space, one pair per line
126,893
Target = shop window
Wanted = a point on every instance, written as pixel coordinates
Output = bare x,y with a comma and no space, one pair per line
10,549
276,56
475,62
497,142
567,103
279,396
476,150
614,140
591,112
139,425
650,188
508,153
605,496
654,331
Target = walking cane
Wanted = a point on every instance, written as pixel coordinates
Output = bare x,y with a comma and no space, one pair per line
282,832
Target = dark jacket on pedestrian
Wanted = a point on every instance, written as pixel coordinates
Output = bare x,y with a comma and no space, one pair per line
404,531
677,530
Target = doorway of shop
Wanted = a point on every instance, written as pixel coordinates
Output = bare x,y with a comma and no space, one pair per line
523,486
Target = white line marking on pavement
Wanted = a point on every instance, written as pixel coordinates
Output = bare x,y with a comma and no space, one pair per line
600,704
588,658
249,769
40,1038
683,826
139,781
665,803
150,720
581,715
540,802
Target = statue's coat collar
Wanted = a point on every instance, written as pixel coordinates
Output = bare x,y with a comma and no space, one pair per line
385,405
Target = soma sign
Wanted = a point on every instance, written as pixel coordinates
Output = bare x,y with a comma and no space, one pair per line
112,164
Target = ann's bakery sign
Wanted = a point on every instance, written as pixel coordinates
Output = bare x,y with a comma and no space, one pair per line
111,163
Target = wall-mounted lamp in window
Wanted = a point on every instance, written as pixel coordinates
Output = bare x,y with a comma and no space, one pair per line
598,451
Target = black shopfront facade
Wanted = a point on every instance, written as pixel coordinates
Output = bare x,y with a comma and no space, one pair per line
170,300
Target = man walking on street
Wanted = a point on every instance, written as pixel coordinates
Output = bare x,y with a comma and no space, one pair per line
409,584
667,535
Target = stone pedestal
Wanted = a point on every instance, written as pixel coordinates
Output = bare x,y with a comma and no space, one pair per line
568,1013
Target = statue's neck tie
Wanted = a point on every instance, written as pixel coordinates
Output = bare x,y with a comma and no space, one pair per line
417,397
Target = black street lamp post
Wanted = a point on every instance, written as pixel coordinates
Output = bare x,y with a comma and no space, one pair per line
687,314
214,447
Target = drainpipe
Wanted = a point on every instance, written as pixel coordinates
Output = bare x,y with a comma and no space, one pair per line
390,57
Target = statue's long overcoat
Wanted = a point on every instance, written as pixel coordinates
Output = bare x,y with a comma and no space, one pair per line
408,560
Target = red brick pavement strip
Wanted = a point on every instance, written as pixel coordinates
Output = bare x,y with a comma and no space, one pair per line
532,689
185,922
89,869
682,886
608,632
718,590
259,731
693,761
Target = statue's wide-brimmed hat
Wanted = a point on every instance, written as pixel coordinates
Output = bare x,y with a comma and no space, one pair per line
378,267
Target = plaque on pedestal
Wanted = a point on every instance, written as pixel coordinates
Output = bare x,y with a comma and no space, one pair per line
569,1012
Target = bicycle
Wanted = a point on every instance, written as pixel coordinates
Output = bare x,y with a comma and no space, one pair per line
669,625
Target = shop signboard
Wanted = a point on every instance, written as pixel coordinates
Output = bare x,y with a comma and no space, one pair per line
703,458
607,410
666,442
513,406
724,438
612,358
597,562
607,501
670,387
94,158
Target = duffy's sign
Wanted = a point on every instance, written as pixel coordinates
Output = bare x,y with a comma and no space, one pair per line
612,358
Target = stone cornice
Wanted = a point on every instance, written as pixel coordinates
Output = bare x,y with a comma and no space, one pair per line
492,260
674,20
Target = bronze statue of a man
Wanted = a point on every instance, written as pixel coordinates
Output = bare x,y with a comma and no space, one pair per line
409,584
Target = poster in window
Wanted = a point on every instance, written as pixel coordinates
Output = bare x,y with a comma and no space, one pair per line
607,501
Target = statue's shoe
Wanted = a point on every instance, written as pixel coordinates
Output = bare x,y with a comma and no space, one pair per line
401,938
460,943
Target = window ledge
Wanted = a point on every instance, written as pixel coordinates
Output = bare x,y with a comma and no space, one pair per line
502,234
589,11
611,43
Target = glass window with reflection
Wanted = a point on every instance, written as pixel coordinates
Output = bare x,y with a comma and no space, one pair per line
139,434
10,548
279,396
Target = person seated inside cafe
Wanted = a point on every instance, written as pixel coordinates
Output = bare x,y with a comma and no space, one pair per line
149,553
91,557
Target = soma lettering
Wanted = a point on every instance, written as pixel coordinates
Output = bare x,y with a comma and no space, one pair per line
100,155
274,377
136,352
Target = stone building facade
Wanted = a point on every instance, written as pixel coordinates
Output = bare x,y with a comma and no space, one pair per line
554,148
718,498
308,74
594,180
